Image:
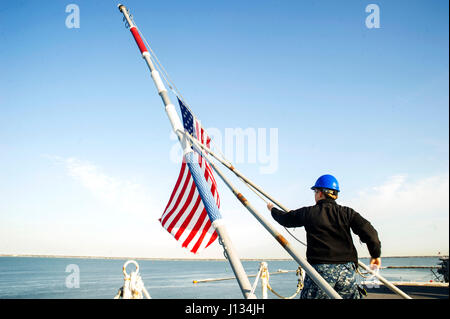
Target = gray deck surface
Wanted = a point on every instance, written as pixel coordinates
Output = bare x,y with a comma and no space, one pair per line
415,292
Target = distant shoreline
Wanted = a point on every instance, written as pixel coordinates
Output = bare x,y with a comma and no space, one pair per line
181,259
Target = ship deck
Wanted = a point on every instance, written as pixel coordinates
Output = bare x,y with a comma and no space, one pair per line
416,290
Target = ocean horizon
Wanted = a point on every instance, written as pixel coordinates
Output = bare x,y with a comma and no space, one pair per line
32,277
181,258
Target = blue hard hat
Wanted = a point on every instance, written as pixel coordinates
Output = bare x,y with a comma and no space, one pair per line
327,181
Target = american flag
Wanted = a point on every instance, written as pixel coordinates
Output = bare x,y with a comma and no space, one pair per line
185,216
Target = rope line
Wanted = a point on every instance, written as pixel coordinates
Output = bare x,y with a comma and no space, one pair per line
174,89
299,284
165,74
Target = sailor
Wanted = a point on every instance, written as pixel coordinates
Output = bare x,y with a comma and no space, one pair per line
330,248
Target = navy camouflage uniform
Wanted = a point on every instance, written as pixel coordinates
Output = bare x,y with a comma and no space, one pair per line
340,276
330,245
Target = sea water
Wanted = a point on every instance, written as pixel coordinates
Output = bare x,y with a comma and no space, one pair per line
88,278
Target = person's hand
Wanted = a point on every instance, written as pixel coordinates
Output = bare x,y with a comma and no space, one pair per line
269,206
375,263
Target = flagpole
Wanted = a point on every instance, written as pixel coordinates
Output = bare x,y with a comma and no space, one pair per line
199,179
315,276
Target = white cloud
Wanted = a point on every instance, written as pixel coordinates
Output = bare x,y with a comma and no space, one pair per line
411,216
399,196
115,193
132,211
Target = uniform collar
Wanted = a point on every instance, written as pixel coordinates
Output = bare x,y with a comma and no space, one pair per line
326,200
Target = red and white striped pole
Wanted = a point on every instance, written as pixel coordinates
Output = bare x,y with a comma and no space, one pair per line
162,91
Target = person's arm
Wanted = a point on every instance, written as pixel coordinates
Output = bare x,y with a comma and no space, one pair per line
293,218
368,235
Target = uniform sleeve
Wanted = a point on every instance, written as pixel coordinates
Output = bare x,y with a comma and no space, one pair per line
293,218
367,233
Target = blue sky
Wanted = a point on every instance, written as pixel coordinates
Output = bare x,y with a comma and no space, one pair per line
85,145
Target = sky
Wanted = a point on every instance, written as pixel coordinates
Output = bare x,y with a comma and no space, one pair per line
289,90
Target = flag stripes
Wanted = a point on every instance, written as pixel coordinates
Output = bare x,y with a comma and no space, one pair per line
185,216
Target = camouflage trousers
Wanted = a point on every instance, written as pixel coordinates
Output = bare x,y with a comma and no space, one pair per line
341,277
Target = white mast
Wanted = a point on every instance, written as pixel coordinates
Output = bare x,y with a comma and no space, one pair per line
200,182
